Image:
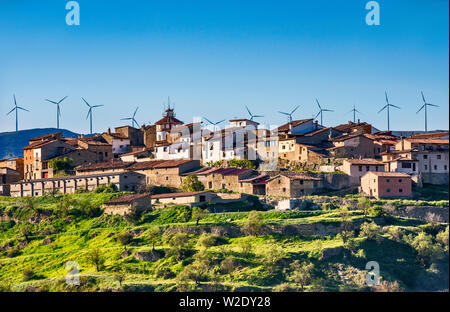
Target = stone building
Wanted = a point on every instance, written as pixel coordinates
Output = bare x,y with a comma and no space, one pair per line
355,146
356,168
185,198
16,164
386,184
123,181
125,204
292,185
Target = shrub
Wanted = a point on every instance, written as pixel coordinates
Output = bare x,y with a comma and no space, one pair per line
207,240
28,275
125,238
164,272
284,287
110,188
301,273
192,184
242,163
95,257
179,246
329,206
371,231
386,286
364,205
199,213
442,237
425,248
254,225
376,211
228,265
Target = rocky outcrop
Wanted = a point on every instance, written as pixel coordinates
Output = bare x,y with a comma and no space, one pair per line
150,256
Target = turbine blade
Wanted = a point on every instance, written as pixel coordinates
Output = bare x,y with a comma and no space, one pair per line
62,99
429,104
420,108
248,110
135,111
51,101
89,112
126,118
208,120
219,122
327,110
423,97
97,106
295,109
23,108
385,94
86,102
382,109
394,106
136,122
318,104
15,102
11,111
284,113
317,115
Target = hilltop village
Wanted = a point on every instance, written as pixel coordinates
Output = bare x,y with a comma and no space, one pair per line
298,158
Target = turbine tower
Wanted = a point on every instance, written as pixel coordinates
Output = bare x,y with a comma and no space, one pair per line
354,111
214,124
387,106
425,104
89,114
133,120
58,110
290,114
321,110
251,115
16,108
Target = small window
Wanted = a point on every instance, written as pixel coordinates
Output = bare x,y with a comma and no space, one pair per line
426,167
388,190
425,156
400,190
438,156
367,168
435,167
388,180
284,190
360,168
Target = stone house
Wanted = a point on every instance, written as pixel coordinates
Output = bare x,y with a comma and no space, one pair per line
123,205
103,167
355,146
356,168
136,136
123,181
386,184
292,185
185,198
16,164
119,142
227,178
8,176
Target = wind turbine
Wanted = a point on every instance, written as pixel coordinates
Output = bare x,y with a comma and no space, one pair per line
251,115
214,124
133,121
321,110
16,108
425,104
387,106
290,114
58,110
89,114
354,110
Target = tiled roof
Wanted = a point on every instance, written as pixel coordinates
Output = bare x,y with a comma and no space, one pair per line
38,144
260,179
126,199
434,135
349,136
366,161
168,120
350,125
144,165
172,195
115,164
295,176
294,123
50,136
173,163
429,141
80,177
390,174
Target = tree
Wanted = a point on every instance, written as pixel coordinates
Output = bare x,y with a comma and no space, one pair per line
271,258
199,213
192,184
196,272
154,234
371,231
442,238
96,258
120,277
364,205
179,244
246,247
25,231
254,223
425,248
125,238
242,163
61,166
301,273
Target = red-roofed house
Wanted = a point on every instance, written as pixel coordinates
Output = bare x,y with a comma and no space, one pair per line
356,168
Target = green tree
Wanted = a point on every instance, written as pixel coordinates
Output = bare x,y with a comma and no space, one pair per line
377,211
120,277
242,163
271,258
95,257
442,238
199,213
371,231
301,273
254,225
179,246
154,235
125,238
427,250
246,247
364,205
26,231
61,166
192,184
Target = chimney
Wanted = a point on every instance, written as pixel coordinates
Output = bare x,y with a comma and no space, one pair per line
290,125
359,121
316,124
82,136
109,130
403,143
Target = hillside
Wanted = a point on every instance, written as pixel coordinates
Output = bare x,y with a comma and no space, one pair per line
11,143
39,236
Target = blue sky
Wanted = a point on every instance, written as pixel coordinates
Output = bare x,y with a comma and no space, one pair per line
214,57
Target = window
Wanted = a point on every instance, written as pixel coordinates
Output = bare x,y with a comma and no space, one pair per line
438,156
400,190
406,165
435,167
445,167
367,168
301,182
400,180
425,156
360,168
284,190
388,190
426,167
387,180
279,181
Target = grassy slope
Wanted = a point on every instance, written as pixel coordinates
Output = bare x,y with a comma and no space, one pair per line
76,237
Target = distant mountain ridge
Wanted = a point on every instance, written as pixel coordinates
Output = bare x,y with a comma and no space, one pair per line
12,143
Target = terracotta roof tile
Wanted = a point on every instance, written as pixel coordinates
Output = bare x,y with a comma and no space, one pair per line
126,199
